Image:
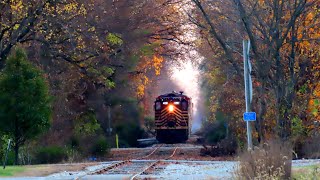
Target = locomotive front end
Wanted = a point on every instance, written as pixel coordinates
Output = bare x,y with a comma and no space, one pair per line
172,117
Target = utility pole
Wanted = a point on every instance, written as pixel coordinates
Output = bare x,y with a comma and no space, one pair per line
248,87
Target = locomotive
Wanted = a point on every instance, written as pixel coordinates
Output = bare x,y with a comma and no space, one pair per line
173,113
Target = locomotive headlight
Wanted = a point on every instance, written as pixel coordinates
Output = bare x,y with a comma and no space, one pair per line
171,108
176,103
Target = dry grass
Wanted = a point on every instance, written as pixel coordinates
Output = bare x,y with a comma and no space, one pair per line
307,172
270,160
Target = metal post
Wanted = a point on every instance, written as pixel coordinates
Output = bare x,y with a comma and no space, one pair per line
109,120
117,141
248,87
6,157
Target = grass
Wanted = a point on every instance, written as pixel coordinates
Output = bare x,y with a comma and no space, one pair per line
11,170
306,172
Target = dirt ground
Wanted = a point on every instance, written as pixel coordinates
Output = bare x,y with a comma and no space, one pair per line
118,154
188,151
181,154
46,169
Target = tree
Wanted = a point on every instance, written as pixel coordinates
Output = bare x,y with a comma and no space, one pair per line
25,103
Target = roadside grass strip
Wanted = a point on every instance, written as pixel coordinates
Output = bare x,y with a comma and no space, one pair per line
306,172
11,170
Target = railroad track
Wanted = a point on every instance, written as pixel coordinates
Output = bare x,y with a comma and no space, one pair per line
153,165
136,167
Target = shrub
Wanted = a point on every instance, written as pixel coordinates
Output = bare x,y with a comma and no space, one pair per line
73,155
149,124
129,133
100,147
214,131
311,147
10,158
50,154
271,160
226,147
74,142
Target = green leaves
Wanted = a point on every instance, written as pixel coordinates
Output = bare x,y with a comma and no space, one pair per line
149,49
114,39
87,124
25,103
102,74
297,127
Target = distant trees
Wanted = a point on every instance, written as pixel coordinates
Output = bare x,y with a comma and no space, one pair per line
25,103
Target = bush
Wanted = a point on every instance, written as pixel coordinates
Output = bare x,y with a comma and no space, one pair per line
100,147
150,125
129,133
215,131
226,147
74,142
271,160
50,154
311,147
73,155
10,158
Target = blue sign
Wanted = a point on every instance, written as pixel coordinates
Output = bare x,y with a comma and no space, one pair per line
249,116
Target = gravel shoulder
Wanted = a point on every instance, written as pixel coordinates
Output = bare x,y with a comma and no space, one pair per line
170,169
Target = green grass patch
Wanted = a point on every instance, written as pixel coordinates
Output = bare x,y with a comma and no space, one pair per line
11,170
306,172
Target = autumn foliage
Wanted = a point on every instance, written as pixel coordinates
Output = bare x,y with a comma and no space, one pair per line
284,38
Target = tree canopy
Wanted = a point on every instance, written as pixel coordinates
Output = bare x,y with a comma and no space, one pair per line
25,103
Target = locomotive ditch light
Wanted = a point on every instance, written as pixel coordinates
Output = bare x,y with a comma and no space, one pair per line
171,108
165,103
176,102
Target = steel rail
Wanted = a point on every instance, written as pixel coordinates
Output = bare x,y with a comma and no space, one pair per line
112,166
153,164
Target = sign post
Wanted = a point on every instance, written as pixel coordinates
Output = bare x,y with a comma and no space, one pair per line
248,89
6,156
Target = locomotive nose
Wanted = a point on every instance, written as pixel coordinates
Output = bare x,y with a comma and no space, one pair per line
171,123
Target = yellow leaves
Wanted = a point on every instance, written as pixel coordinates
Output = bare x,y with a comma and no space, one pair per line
70,7
82,64
18,9
16,5
15,27
82,10
140,90
80,43
157,64
92,29
141,84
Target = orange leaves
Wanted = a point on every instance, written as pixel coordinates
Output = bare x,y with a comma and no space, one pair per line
143,79
314,103
157,64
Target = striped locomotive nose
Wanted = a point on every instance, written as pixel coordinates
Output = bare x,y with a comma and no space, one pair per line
171,122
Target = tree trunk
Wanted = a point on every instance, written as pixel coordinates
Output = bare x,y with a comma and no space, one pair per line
16,142
261,112
16,154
